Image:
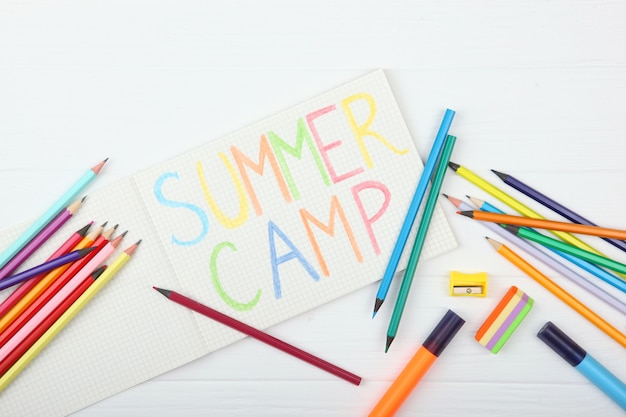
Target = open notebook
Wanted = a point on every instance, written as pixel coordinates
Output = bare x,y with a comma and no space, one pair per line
264,224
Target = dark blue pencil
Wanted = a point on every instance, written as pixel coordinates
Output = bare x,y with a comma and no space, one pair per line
553,205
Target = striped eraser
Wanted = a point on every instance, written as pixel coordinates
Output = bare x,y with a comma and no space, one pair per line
504,319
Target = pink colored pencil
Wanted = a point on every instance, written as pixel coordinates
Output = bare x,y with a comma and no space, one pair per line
66,247
58,298
41,238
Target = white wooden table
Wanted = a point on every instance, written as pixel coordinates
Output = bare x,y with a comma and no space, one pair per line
539,88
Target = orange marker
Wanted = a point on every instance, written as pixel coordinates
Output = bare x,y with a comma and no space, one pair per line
418,365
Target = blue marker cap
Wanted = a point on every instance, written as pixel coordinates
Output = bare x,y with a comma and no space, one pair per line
561,344
443,333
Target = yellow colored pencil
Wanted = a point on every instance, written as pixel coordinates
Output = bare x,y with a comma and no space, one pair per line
43,341
559,292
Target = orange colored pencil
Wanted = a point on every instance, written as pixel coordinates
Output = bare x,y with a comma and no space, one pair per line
583,229
559,292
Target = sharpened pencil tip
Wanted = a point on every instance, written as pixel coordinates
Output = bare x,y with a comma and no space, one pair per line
454,166
389,342
467,213
96,169
163,291
377,304
500,175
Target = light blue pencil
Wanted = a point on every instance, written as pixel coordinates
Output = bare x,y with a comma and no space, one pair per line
418,196
48,216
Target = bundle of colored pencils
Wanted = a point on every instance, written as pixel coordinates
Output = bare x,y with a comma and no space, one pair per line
52,293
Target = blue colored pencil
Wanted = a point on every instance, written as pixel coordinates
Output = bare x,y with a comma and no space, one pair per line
50,214
411,214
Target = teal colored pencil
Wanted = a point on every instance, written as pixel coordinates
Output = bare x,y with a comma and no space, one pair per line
411,214
48,216
564,247
422,230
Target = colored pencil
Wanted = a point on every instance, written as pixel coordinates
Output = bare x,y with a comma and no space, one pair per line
67,246
49,321
44,267
553,263
572,250
422,231
545,224
559,292
516,205
258,334
58,297
41,238
411,214
552,205
68,315
50,214
32,302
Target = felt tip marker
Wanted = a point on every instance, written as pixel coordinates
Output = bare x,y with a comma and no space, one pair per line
417,367
583,362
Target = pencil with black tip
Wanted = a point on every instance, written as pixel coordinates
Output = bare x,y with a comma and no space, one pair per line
259,335
552,205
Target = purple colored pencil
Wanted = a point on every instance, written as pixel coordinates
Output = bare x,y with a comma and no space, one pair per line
553,205
44,267
41,238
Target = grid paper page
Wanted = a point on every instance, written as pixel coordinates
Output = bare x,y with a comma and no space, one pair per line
249,224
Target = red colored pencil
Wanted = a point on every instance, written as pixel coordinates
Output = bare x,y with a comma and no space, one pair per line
45,325
54,288
259,335
65,248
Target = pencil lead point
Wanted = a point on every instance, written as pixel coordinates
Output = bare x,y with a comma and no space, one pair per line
377,304
166,293
467,213
500,175
83,199
138,242
124,233
95,274
454,166
445,195
104,224
389,342
116,226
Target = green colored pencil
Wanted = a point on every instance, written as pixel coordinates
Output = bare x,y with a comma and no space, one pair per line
564,247
422,230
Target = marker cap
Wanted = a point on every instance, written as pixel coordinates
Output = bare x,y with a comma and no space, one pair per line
561,344
443,333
